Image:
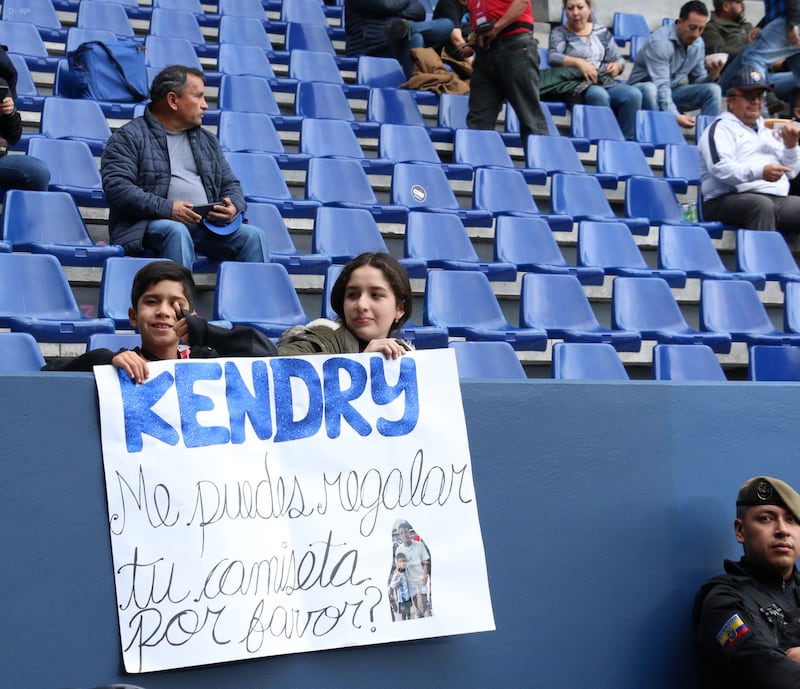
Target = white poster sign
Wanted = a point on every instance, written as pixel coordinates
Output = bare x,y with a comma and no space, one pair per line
267,506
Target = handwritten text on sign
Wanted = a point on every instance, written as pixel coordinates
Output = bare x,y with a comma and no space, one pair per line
268,506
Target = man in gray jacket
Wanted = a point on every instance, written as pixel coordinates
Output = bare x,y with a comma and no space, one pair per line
168,185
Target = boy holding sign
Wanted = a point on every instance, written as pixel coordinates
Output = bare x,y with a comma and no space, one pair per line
162,300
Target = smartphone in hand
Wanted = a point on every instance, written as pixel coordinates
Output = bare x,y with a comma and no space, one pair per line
204,210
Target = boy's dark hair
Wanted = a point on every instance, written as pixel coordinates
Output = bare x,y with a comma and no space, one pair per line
172,79
392,270
693,6
156,271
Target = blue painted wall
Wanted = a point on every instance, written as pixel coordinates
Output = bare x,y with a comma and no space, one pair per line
603,507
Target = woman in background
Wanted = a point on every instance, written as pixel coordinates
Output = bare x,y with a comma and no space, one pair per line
590,47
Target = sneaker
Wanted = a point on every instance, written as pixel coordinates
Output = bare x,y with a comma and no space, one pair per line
397,29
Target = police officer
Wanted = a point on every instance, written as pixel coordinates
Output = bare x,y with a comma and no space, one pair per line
747,621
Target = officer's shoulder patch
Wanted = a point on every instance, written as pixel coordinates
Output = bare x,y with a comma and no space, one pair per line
733,630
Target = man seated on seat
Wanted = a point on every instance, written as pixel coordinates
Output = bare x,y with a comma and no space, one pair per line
160,168
746,167
747,620
672,54
162,299
392,28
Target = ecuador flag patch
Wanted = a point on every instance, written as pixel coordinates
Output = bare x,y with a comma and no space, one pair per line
733,630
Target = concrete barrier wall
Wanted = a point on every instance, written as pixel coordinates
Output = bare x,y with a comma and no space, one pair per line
603,507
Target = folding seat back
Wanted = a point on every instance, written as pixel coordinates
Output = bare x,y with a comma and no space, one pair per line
19,352
622,159
163,51
555,302
244,60
645,304
73,169
329,138
768,253
501,191
659,128
682,161
251,132
453,109
770,363
733,306
261,295
608,245
595,122
553,154
28,97
247,94
489,360
109,16
304,12
77,35
686,362
626,25
50,223
252,9
580,196
587,361
322,100
481,148
40,13
511,126
344,233
652,198
456,299
301,36
114,341
380,72
176,23
421,186
333,180
80,120
407,143
311,65
243,30
791,307
393,106
438,237
23,39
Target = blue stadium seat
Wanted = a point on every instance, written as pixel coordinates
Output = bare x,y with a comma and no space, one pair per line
405,143
557,154
441,241
262,182
463,303
700,124
486,148
253,9
658,128
114,341
393,106
108,16
260,295
511,128
648,305
768,253
163,51
558,304
24,40
309,12
72,169
19,352
791,307
686,362
281,247
386,72
733,307
582,197
610,246
587,361
253,94
344,233
771,363
425,187
28,96
311,65
78,120
39,13
336,139
655,199
251,61
342,182
626,25
314,37
596,122
115,289
254,132
505,192
174,23
77,35
132,7
192,6
321,100
487,360
529,244
624,159
452,113
243,30
682,161
421,336
690,249
48,222
636,45
36,298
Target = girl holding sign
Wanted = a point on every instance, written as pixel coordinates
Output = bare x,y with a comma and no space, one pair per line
372,298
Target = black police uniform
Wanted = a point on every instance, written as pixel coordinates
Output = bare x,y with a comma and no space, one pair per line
744,620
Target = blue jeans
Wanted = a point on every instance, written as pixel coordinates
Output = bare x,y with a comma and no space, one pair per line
23,172
706,97
176,242
624,100
432,33
770,46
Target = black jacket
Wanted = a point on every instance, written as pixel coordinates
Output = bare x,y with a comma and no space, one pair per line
366,22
